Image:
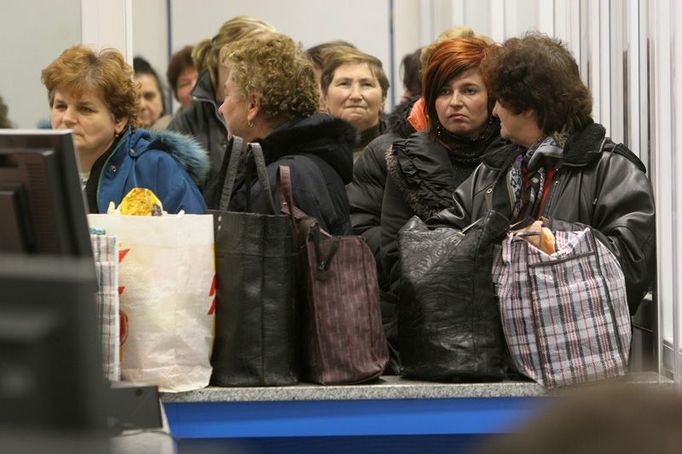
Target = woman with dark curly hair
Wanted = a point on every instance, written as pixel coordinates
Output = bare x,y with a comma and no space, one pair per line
561,166
424,169
271,97
94,94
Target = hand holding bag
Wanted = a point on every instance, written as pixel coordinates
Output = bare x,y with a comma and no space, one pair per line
256,318
344,341
565,315
448,321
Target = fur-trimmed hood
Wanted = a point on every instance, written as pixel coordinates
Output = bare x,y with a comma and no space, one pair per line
329,138
186,150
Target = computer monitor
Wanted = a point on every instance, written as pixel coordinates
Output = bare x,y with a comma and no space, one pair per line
51,375
41,202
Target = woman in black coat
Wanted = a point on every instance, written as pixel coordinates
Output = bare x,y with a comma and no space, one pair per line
426,168
271,97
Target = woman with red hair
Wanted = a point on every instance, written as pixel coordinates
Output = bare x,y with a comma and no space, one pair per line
425,169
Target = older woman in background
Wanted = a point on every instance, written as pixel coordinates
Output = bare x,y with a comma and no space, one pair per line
151,92
201,119
270,97
426,168
94,95
354,88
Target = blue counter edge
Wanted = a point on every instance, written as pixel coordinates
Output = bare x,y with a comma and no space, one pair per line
458,416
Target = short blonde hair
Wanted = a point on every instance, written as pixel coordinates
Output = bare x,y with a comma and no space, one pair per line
275,68
206,53
79,69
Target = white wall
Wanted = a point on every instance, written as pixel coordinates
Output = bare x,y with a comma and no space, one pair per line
29,45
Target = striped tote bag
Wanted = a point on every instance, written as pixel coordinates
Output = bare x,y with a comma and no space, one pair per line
565,316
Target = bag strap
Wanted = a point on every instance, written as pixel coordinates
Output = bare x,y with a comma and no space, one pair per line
257,153
228,184
285,194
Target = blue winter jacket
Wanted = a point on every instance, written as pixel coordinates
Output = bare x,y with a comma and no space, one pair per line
168,163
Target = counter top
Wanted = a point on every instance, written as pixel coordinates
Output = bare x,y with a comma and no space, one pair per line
384,388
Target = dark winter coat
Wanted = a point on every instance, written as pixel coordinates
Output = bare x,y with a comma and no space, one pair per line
598,184
422,176
203,121
170,164
366,191
318,151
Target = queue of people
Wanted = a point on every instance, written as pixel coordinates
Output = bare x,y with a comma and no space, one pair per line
482,126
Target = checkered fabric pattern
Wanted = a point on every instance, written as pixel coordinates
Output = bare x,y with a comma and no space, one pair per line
565,316
105,251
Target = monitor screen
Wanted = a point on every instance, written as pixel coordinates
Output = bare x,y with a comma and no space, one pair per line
51,375
41,201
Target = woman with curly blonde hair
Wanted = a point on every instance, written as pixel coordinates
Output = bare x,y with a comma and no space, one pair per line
271,97
94,94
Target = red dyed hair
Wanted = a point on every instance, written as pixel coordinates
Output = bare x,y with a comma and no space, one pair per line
449,59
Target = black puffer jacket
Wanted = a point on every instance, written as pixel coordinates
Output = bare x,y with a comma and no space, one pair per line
366,191
599,184
203,121
422,176
318,151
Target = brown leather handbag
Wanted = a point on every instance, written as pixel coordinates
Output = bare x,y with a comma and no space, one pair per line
343,337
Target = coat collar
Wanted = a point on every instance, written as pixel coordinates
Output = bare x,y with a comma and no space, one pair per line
329,138
582,148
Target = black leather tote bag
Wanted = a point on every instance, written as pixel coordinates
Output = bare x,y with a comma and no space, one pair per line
448,319
256,341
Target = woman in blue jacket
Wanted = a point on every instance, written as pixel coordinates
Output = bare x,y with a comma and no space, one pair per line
95,96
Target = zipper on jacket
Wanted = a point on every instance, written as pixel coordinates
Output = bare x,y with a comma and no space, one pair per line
553,191
104,169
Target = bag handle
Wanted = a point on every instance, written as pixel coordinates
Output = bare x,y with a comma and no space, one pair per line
257,153
254,150
285,194
231,175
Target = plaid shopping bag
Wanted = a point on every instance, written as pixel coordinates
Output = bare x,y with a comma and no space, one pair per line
565,315
105,251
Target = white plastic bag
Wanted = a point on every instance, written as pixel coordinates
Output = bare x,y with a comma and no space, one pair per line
167,293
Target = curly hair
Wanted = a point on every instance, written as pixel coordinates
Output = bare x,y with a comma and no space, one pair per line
447,60
536,72
350,56
207,52
275,68
79,69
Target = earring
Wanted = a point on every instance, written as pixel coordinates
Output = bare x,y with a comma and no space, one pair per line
249,123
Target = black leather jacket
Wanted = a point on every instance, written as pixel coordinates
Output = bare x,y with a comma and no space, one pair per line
202,121
599,184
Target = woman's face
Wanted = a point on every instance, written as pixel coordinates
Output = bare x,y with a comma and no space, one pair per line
354,95
93,124
235,110
462,104
185,84
150,97
521,128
